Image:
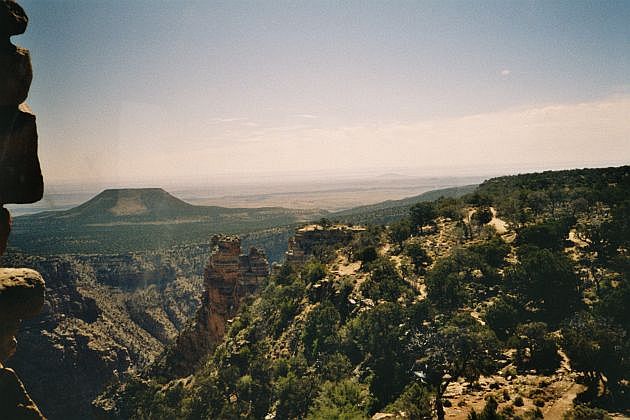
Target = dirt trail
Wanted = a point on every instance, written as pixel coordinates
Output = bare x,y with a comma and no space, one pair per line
345,267
499,225
568,391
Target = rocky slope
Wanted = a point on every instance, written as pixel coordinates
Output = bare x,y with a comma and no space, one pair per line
90,332
438,315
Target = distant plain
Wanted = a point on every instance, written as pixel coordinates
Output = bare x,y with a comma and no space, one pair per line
325,194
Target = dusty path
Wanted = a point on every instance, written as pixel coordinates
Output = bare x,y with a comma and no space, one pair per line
499,225
568,392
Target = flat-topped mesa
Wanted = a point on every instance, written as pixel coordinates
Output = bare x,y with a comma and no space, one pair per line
307,238
229,277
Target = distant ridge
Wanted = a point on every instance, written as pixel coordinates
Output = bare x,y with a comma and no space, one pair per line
390,210
140,205
392,175
124,220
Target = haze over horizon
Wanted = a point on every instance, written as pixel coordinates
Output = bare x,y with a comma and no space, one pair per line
143,91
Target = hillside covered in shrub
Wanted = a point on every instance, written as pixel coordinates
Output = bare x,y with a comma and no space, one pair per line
508,303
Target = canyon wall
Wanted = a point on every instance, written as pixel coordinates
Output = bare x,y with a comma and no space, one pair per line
89,333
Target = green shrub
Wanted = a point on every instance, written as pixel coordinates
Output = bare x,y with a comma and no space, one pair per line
583,412
414,401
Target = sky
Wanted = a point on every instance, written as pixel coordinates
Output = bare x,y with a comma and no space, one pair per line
148,91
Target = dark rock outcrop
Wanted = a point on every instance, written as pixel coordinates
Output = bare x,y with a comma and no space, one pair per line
20,174
13,19
22,290
15,402
16,75
5,228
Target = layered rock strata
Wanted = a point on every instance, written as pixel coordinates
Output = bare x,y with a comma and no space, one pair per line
229,277
90,334
21,290
307,239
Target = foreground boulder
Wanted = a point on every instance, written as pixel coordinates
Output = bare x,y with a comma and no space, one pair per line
21,297
21,293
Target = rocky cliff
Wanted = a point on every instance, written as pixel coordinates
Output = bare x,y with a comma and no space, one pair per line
90,333
308,238
21,290
229,277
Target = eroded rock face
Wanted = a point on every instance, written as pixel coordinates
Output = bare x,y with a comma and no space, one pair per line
16,75
89,334
21,297
20,173
228,278
130,272
306,240
21,290
21,293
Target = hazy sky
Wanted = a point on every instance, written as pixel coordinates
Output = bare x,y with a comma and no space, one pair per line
152,90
